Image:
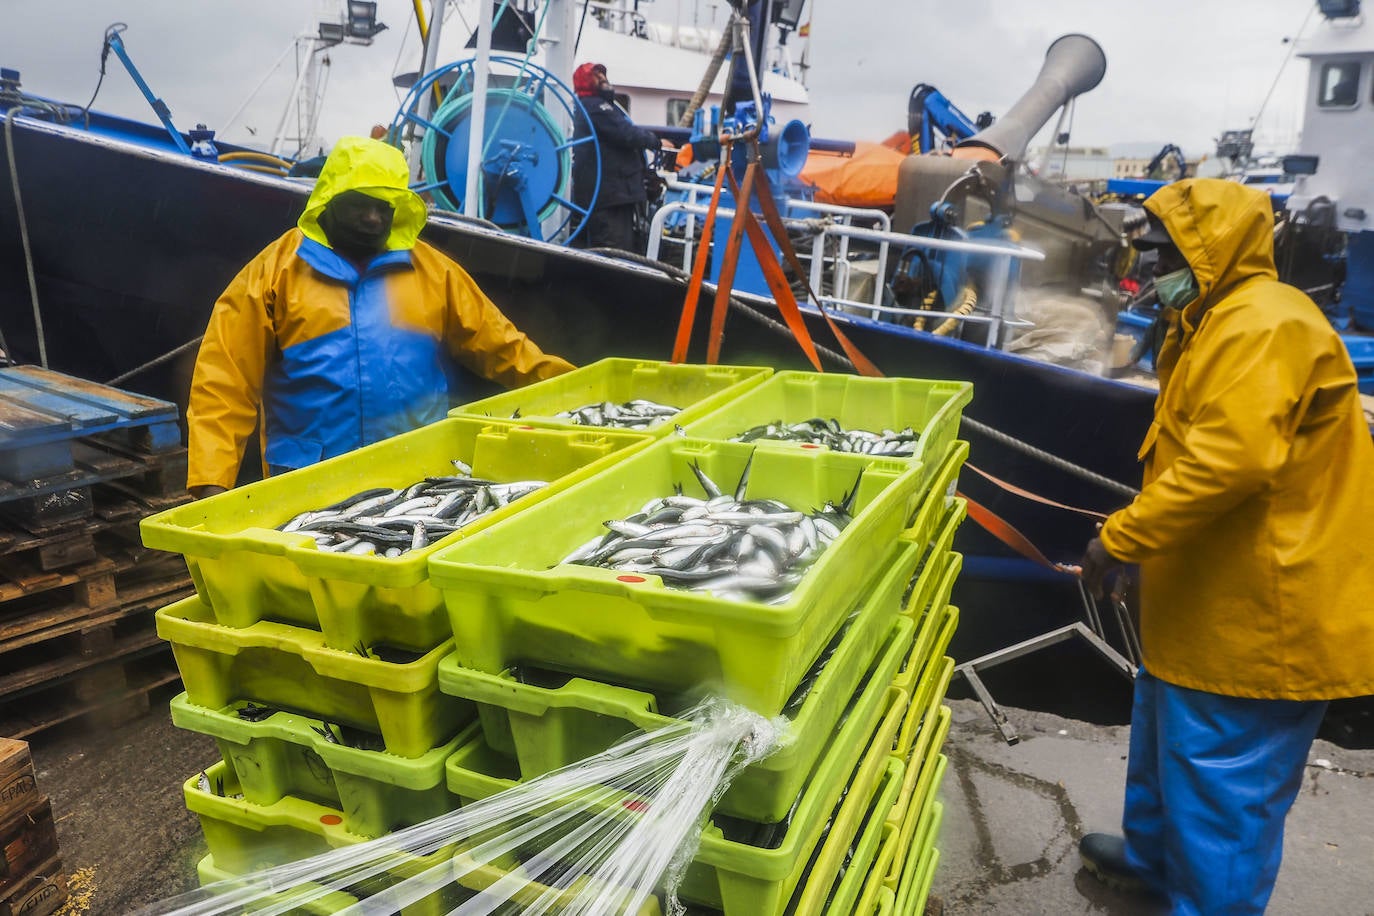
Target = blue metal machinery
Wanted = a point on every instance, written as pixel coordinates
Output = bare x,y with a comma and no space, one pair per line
1154,177
783,152
935,122
526,167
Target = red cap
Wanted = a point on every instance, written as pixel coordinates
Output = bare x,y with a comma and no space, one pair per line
584,78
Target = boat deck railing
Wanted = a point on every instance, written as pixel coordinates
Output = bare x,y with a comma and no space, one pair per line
843,224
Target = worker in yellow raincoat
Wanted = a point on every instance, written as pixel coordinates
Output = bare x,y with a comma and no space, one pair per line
345,330
1254,532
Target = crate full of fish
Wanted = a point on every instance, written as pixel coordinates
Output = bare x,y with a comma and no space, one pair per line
691,565
392,694
638,394
894,417
543,720
743,868
343,546
274,753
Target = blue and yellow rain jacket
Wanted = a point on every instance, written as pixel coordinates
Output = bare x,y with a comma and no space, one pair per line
334,359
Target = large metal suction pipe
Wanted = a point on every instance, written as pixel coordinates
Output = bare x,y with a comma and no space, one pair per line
1073,65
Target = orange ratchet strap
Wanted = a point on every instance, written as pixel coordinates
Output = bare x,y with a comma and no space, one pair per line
730,262
777,281
689,306
775,225
1034,497
1005,532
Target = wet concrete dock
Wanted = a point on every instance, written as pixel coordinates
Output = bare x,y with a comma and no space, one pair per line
1013,816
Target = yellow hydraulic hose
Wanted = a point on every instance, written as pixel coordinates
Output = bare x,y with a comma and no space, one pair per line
929,303
257,162
967,301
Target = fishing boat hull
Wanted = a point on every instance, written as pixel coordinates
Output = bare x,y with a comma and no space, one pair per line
130,246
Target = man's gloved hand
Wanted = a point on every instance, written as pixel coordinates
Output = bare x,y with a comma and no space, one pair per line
1097,563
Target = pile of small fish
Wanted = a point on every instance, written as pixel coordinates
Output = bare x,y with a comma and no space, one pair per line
637,414
387,523
816,431
736,548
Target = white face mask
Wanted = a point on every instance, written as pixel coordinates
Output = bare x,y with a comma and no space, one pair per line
1177,288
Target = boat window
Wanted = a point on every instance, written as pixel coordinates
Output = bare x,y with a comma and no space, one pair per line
1340,85
676,107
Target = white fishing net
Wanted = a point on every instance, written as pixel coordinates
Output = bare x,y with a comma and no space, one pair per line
597,837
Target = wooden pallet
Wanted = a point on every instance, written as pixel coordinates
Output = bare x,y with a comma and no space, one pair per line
101,474
27,840
18,790
39,894
61,436
107,696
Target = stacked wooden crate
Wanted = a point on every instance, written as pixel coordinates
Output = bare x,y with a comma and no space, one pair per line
80,465
31,878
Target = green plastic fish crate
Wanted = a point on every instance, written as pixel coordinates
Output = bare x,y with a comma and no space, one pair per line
245,838
934,630
326,903
286,754
849,850
932,409
923,750
934,582
291,668
873,887
922,858
743,879
733,875
249,571
698,390
477,878
929,694
511,602
913,831
548,727
929,524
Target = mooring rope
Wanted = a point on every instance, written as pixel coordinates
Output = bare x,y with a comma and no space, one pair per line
24,240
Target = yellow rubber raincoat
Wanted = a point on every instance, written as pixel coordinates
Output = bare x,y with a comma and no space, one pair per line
333,358
1255,525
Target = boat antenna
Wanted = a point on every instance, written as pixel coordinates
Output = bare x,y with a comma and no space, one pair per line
1292,46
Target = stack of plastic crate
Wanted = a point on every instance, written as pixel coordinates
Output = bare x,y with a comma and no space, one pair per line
563,660
317,672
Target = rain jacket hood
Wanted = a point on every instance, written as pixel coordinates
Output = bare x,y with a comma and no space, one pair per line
1224,230
1254,528
376,169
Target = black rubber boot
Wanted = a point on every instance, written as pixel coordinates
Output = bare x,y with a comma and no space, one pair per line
1104,856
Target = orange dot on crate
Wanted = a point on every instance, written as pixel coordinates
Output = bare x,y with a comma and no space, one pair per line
629,579
330,820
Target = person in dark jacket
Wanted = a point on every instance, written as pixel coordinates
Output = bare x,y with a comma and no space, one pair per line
610,224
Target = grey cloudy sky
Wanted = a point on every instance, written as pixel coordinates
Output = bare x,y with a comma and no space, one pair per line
1178,71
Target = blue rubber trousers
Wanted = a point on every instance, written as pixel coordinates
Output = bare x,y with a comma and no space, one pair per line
1209,782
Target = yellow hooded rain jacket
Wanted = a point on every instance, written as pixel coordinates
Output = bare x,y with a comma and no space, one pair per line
1255,526
335,359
